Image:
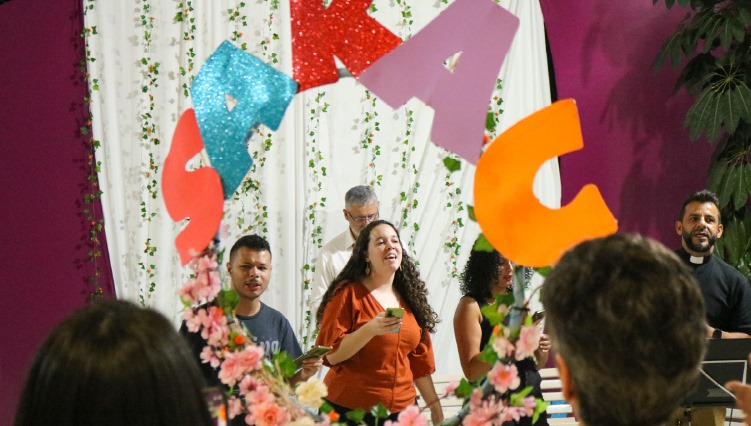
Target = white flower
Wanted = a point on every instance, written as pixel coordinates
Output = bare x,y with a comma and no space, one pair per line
311,393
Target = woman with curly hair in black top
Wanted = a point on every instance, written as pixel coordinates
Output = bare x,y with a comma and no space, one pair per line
376,358
487,274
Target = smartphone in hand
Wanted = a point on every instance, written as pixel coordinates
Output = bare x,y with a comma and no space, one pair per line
537,316
394,313
314,352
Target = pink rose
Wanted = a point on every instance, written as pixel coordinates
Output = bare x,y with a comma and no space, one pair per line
504,377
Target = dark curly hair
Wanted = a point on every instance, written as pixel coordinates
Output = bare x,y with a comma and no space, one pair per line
480,272
407,282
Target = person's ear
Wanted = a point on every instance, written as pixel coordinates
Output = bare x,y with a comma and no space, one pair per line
679,227
567,385
720,228
229,267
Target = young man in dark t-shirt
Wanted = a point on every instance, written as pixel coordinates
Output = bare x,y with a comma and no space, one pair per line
249,268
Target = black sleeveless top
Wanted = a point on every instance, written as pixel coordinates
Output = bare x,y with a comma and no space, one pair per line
528,374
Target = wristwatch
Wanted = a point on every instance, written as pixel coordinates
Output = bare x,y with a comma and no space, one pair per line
717,334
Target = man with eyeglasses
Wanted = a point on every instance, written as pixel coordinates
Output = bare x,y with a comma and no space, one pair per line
360,208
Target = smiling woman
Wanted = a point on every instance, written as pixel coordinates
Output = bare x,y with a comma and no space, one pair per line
352,320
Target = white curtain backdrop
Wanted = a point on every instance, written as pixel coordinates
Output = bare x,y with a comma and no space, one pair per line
145,54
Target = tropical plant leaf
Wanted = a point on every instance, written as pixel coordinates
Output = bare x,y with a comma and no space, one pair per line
740,195
740,21
727,32
697,73
743,101
726,187
736,240
731,109
716,173
704,27
703,115
673,49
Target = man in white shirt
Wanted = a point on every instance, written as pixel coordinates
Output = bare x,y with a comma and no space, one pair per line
360,208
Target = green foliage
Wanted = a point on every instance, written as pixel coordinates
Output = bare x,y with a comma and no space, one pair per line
452,164
714,40
482,244
228,300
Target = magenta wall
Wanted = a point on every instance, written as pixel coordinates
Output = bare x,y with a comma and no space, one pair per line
43,174
635,147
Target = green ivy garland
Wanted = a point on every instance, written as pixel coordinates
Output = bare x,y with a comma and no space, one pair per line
94,224
150,141
314,201
185,16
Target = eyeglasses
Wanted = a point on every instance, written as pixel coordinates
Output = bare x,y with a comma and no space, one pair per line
363,219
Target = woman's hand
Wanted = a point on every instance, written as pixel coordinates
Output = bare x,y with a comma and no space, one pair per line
543,350
310,367
544,343
380,325
353,342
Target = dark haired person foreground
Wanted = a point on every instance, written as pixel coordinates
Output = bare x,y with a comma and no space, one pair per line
486,275
113,364
627,320
377,359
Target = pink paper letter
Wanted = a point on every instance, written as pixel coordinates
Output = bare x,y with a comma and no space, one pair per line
482,31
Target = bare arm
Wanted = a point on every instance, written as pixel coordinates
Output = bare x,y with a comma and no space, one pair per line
354,341
427,390
728,334
468,334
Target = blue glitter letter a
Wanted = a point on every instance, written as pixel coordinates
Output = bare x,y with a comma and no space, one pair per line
262,94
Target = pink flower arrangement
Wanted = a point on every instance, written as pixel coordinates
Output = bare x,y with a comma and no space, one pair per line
504,377
258,388
528,342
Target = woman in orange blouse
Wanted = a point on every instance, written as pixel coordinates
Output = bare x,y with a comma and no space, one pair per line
376,359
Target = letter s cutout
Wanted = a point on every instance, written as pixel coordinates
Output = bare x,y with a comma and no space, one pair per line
196,195
509,214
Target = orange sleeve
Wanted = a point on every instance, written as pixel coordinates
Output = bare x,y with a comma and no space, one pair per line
422,360
338,321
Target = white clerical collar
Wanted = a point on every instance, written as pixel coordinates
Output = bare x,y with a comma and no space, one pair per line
696,260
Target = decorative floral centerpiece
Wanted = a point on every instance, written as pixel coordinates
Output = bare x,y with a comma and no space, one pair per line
257,388
497,399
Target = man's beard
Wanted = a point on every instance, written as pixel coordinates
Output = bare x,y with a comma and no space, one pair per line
700,248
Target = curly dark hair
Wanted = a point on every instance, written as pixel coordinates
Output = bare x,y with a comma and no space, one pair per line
407,282
480,272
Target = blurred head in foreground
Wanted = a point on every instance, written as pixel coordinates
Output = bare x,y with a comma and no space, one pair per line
627,319
113,363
